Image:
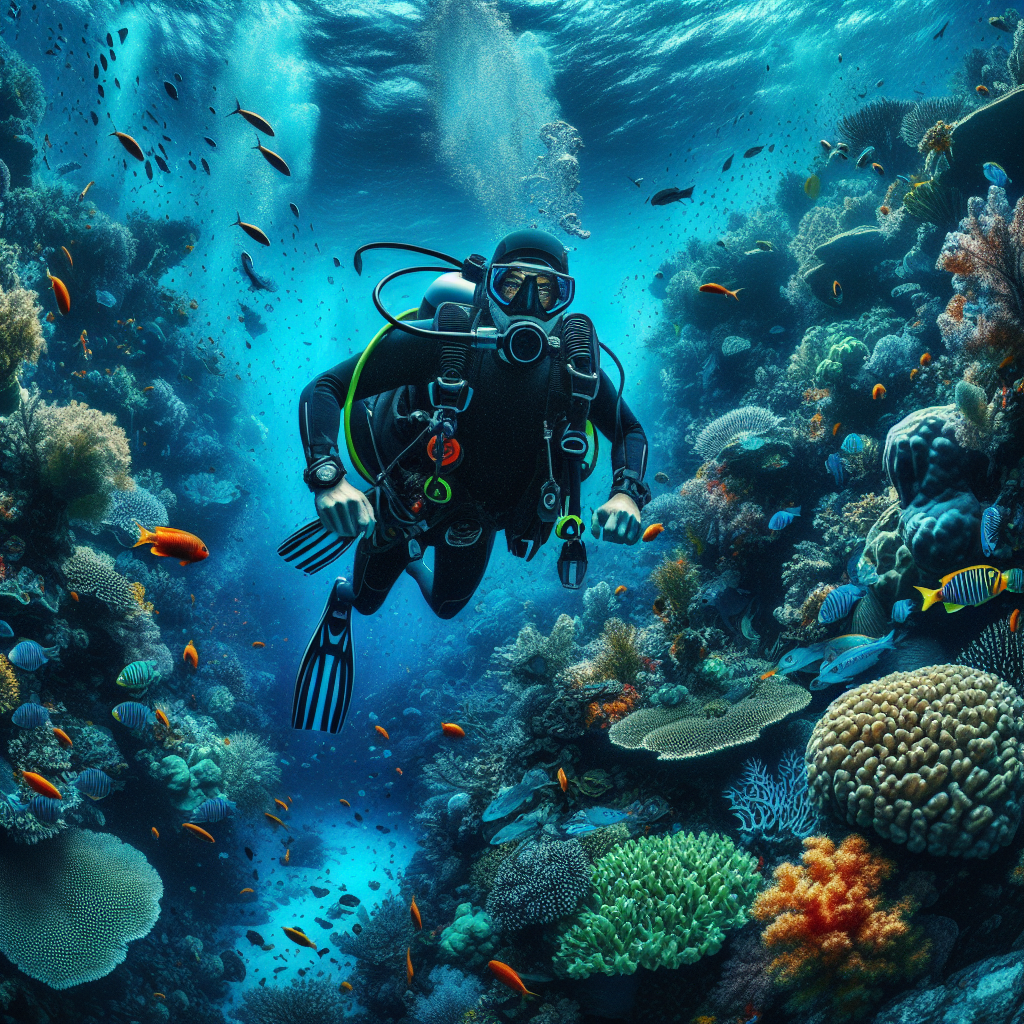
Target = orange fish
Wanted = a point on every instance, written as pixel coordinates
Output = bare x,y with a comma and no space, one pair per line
926,358
914,372
298,936
161,717
382,731
508,977
770,673
563,780
1006,362
620,590
835,428
342,800
63,738
258,643
281,804
878,391
129,144
287,855
42,786
837,292
159,995
652,531
50,318
453,730
168,542
275,819
244,891
227,742
878,169
414,913
251,230
73,595
981,90
399,770
346,987
81,195
64,249
154,833
61,294
884,211
190,654
1014,620
148,387
718,289
408,965
197,831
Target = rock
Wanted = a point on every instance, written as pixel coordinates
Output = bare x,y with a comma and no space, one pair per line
207,773
989,133
234,966
987,992
175,774
852,258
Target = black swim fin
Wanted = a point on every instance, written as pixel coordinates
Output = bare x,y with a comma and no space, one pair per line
312,548
323,687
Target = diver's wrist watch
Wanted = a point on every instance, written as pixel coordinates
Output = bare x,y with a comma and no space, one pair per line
323,473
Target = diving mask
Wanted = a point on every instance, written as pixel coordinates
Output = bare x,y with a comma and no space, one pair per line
527,289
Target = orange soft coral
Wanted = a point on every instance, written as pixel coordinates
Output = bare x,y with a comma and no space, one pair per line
837,941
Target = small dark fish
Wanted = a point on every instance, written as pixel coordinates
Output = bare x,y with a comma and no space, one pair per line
95,119
358,816
1000,24
177,77
294,209
255,938
192,164
348,900
272,158
122,34
727,164
337,262
753,151
209,142
672,195
318,892
95,71
206,166
254,119
103,61
149,170
110,39
161,163
170,90
248,853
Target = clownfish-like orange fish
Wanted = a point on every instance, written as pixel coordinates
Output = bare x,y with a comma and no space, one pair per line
190,654
563,780
62,738
170,543
42,786
453,730
197,831
382,731
414,913
878,391
652,531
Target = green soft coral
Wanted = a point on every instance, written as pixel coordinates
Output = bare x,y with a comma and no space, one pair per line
471,939
656,902
844,359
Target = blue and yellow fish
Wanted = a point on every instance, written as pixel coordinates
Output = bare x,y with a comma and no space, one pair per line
972,586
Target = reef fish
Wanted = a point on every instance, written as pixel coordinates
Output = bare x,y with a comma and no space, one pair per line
508,977
852,663
130,145
94,784
251,230
5,630
839,602
138,676
30,715
453,730
812,186
834,464
652,531
991,519
41,785
995,173
298,936
105,299
170,543
274,159
902,610
45,808
215,809
201,833
853,444
801,657
414,913
583,822
719,289
972,586
672,195
255,120
257,282
782,519
28,655
524,825
133,714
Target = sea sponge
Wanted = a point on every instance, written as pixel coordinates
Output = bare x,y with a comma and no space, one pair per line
659,901
675,733
10,695
538,883
471,939
929,758
128,509
301,1001
71,905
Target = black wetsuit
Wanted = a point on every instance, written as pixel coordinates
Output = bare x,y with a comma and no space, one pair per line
495,487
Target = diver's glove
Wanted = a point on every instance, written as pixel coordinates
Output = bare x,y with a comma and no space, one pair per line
617,520
345,510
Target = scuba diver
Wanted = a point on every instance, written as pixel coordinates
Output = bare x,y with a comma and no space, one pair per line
477,412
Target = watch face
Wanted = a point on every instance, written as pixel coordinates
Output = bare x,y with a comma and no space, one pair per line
326,473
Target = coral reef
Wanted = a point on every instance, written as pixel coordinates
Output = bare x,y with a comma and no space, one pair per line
773,810
249,770
301,1001
737,425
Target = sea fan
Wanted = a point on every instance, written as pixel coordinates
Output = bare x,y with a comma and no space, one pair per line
747,421
928,112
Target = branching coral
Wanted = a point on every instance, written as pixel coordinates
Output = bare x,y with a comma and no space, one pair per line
839,941
927,113
302,1001
877,124
21,335
249,770
776,811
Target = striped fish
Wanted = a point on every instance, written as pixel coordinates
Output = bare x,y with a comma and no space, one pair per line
849,665
133,714
93,783
45,808
30,716
216,809
991,520
5,629
138,676
853,444
839,602
972,586
28,655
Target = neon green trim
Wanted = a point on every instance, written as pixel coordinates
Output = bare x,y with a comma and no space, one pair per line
588,462
439,498
350,397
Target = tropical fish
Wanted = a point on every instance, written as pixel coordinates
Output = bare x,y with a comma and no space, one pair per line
853,443
81,195
672,195
93,783
105,299
161,717
342,800
652,531
275,819
382,731
877,392
902,610
801,657
414,913
506,975
171,90
346,986
281,804
45,808
926,358
294,209
138,676
1014,620
837,292
453,730
30,716
40,785
170,543
782,519
190,654
584,822
62,738
839,602
60,294
717,289
878,169
850,664
259,644
972,586
1001,24
242,892
812,186
834,464
274,159
257,122
995,173
251,230
620,590
512,798
214,809
201,833
130,145
727,164
133,714
524,825
299,937
64,249
28,655
5,629
155,834
981,90
991,520
563,780
865,156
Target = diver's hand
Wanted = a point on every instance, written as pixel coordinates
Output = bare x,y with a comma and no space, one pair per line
345,510
619,518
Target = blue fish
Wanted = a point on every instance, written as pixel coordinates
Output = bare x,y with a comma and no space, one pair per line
777,330
5,630
216,809
991,520
30,716
834,464
903,178
839,602
995,173
860,572
45,808
28,655
138,676
94,784
849,665
801,657
133,714
782,519
105,299
853,443
524,825
514,797
902,610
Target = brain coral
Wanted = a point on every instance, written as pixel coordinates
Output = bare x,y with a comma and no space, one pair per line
539,883
675,734
929,758
71,905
